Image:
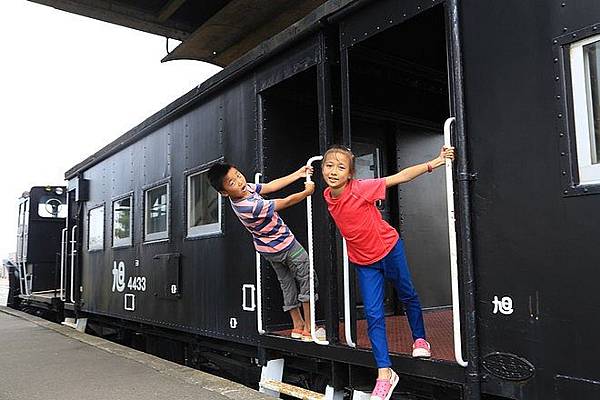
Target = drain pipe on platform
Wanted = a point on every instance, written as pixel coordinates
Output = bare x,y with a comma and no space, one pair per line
473,383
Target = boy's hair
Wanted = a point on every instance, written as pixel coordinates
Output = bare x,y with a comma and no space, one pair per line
216,175
338,148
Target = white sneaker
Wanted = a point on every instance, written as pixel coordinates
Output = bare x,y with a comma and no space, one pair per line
321,334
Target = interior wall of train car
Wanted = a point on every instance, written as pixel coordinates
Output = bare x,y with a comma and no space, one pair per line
398,92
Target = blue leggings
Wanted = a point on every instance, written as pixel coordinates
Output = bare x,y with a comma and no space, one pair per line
371,279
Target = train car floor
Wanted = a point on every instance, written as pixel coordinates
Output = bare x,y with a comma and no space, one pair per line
438,324
45,360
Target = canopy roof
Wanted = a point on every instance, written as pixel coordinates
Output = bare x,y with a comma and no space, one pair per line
215,31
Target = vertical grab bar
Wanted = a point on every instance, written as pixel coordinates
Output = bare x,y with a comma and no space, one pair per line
347,320
453,250
313,324
21,263
73,241
63,250
18,261
259,322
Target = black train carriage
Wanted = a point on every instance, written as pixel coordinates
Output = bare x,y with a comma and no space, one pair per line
35,278
159,252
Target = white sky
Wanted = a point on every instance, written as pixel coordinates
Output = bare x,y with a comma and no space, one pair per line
68,86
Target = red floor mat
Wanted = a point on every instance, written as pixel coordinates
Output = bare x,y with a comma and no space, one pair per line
438,325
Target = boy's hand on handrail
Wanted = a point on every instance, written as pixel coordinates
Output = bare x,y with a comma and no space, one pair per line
309,188
304,171
282,182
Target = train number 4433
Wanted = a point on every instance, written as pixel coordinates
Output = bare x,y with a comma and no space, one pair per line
137,283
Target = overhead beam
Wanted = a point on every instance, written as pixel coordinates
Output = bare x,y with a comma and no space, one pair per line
112,12
169,9
240,26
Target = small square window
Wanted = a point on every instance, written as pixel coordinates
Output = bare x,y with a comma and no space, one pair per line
156,215
96,228
585,74
122,223
204,206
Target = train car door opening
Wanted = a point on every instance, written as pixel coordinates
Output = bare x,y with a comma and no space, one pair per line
395,100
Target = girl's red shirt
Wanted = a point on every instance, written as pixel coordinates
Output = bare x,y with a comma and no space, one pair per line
368,236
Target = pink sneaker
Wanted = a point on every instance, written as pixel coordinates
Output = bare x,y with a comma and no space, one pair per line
385,387
421,349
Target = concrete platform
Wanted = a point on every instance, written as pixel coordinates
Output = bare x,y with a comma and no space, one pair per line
43,360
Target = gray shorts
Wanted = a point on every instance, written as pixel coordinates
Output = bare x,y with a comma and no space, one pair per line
293,271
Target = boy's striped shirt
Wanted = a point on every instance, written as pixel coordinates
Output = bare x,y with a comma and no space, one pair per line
270,233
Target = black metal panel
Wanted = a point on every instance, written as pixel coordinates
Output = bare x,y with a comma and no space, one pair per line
379,16
202,133
432,369
305,55
167,269
570,387
531,244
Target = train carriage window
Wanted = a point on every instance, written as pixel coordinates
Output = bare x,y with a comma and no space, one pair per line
122,222
585,74
51,207
156,215
96,228
203,205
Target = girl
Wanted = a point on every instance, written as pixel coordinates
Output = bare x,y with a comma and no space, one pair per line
376,250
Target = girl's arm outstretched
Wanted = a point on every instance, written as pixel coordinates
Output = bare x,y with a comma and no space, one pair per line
280,183
410,173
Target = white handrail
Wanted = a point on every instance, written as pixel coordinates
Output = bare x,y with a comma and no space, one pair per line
313,324
453,250
347,319
63,250
73,241
23,263
18,259
259,322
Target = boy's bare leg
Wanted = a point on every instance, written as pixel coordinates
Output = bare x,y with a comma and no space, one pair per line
297,318
306,309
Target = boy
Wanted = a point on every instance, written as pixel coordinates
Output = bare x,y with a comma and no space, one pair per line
271,236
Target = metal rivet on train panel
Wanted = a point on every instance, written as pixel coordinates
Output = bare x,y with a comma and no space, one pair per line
555,41
559,115
566,192
563,4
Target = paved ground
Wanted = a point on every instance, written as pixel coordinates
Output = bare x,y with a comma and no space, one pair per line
43,360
